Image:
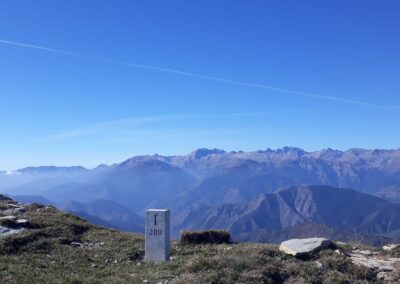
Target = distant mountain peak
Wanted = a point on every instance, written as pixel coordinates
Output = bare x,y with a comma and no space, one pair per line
287,151
203,152
101,166
52,170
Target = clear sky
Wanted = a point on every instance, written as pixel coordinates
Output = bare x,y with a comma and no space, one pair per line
84,82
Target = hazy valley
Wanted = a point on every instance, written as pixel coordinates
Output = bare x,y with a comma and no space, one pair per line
259,196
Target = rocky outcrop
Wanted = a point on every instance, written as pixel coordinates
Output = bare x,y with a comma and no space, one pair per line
11,221
305,247
382,263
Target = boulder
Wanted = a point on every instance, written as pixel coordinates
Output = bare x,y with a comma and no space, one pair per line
390,247
305,247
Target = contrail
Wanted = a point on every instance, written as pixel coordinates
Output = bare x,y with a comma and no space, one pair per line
101,127
206,77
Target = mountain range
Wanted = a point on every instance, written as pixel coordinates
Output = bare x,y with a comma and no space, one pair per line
260,195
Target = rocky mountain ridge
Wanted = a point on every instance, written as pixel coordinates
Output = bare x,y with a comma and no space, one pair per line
216,181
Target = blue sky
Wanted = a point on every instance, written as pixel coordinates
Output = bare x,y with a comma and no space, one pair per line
90,82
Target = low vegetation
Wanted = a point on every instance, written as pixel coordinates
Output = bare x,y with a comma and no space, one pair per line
63,248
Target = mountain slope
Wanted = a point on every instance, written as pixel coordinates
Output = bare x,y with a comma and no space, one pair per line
340,209
105,213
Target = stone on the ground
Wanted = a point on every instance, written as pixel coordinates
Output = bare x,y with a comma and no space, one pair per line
10,217
305,247
22,221
375,261
390,247
13,205
4,231
362,253
76,244
376,264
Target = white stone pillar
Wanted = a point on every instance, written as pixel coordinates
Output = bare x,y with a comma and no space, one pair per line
157,234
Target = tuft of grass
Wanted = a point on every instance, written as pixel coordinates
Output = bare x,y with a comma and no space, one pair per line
205,237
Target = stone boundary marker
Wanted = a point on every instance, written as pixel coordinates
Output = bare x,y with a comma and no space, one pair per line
157,234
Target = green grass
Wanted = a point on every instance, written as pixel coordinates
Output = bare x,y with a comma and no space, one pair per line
44,254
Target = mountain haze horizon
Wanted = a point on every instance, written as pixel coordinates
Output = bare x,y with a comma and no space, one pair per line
209,188
196,150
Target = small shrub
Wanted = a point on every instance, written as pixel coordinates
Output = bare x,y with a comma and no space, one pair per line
136,255
205,237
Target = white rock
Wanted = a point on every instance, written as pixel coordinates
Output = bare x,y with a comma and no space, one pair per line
318,264
390,247
339,252
373,263
10,217
362,253
304,247
76,244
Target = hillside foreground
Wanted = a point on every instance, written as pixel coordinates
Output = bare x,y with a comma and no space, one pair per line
50,246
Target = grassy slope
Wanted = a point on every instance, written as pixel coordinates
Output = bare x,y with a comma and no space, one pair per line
45,255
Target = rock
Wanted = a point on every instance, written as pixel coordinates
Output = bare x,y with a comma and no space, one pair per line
4,231
305,247
10,217
385,276
390,247
19,210
22,221
13,205
339,252
376,264
14,210
76,244
361,253
318,264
